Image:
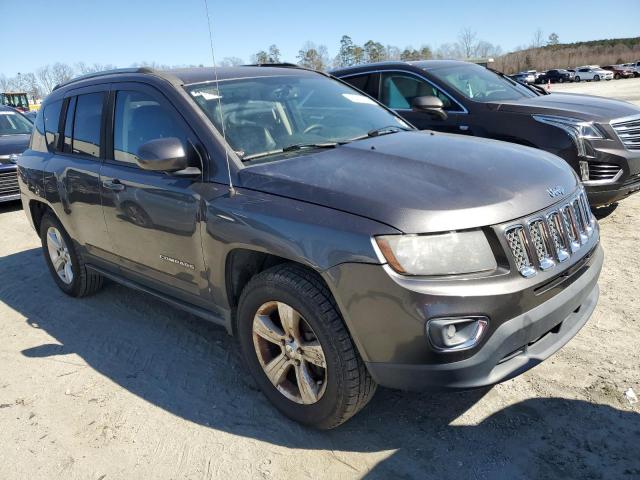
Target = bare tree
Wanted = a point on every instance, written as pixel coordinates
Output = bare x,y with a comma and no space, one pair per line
313,56
467,40
61,72
231,62
553,39
4,83
538,39
45,78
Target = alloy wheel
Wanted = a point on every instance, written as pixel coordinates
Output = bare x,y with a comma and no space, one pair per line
289,353
59,255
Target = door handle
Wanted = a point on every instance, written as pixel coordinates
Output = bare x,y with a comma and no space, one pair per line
113,185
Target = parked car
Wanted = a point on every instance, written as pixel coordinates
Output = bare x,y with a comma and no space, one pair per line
15,131
619,71
598,137
635,66
343,248
592,73
557,76
524,77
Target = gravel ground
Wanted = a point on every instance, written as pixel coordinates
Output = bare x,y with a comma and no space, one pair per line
120,386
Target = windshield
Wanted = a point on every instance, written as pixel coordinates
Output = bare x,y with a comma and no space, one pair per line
12,123
265,116
480,84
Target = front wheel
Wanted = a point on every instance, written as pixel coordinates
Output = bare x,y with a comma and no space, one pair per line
66,266
576,79
596,78
298,349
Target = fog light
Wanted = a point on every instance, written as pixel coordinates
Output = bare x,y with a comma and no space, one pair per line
459,333
584,170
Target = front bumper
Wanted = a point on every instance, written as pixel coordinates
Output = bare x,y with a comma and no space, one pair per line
605,193
387,323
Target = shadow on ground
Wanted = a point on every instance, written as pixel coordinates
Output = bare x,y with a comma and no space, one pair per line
193,369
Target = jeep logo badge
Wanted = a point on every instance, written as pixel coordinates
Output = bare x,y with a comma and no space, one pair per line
556,191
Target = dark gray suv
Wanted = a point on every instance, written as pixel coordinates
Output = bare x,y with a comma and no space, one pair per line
344,248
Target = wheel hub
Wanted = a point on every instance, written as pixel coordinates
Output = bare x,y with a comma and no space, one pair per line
289,353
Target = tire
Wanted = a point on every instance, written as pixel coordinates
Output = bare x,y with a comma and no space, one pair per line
80,281
616,76
577,79
596,78
561,80
346,385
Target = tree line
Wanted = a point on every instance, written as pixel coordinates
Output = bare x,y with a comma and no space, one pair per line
541,53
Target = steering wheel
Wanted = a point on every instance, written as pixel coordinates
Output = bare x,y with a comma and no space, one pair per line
311,128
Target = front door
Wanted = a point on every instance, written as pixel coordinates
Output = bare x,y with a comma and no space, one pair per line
153,218
399,89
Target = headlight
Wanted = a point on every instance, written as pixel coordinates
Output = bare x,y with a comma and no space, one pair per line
438,254
579,127
578,130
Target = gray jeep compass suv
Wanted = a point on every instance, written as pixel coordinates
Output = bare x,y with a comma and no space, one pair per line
344,248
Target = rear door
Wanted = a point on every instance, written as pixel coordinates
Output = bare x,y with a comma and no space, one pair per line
72,178
153,218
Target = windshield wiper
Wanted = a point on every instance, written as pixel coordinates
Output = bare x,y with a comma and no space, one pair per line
291,148
376,132
300,146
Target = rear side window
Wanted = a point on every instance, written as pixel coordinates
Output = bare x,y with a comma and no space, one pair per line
138,119
87,123
365,83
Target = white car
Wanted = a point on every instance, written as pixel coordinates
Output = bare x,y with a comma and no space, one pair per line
592,73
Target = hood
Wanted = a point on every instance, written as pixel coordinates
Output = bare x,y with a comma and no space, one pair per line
420,182
13,144
583,107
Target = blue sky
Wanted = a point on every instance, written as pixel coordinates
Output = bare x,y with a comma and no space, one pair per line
175,32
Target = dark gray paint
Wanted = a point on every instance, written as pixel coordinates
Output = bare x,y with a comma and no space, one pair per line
317,209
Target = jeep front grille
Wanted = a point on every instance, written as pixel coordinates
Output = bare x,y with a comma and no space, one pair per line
551,238
628,132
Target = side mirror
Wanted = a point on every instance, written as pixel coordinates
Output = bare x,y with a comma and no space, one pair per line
163,154
431,105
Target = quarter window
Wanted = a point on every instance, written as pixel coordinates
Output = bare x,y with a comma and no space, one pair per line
51,116
399,90
138,119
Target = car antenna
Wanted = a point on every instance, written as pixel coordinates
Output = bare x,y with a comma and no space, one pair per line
232,191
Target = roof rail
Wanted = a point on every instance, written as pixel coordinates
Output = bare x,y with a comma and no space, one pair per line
105,72
278,64
287,65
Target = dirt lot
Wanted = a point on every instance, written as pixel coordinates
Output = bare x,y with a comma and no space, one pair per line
120,386
627,89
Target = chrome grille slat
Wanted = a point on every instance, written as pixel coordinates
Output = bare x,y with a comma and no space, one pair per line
552,237
9,184
628,132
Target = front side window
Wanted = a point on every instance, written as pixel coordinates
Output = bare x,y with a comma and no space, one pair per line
138,119
12,123
399,90
480,84
86,124
264,116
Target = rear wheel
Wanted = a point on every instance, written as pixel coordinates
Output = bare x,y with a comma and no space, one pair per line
66,266
616,76
298,349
